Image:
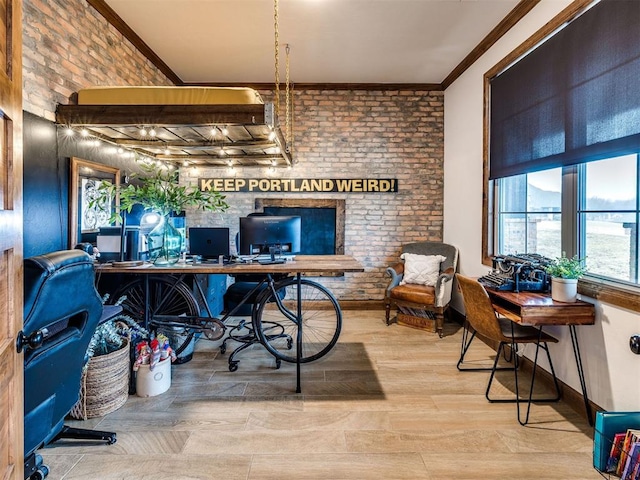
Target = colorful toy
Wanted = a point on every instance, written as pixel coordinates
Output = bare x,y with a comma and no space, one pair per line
155,353
143,354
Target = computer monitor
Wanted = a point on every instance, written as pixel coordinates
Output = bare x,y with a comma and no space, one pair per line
258,233
209,242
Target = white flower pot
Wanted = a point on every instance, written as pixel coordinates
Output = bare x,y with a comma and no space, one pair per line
564,289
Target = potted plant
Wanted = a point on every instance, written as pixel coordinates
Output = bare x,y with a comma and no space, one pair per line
565,273
157,189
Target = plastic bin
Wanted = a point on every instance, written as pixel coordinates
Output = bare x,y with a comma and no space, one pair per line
606,426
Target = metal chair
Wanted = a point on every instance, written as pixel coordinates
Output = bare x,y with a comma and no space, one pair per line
483,320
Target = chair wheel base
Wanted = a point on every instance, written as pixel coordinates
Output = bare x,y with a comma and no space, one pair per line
34,469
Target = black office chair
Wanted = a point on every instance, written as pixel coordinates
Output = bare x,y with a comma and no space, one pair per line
239,299
61,312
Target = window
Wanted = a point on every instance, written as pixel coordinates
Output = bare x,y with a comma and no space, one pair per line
529,213
602,227
567,98
608,217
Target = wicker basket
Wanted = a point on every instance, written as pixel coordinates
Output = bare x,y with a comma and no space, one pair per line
104,386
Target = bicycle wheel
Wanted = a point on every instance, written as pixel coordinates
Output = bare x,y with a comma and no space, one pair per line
320,324
166,297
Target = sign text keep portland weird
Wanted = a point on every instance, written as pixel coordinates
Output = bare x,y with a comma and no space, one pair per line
299,185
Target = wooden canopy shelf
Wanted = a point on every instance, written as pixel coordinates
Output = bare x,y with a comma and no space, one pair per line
183,132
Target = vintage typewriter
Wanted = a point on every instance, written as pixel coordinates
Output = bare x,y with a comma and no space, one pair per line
518,272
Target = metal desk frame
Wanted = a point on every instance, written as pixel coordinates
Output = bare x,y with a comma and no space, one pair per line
302,264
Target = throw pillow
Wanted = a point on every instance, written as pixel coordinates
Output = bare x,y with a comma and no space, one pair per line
421,269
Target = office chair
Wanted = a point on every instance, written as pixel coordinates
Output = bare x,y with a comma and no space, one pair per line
61,312
482,318
239,299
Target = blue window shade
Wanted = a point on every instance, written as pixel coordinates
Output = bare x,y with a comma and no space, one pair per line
573,99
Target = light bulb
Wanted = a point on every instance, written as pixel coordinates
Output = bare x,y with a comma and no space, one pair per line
70,131
185,164
214,132
120,150
221,152
167,151
84,132
225,131
143,132
272,135
152,132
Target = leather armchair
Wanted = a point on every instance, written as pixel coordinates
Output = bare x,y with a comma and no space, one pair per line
61,312
422,306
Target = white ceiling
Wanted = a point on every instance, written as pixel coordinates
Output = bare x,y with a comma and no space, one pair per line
332,41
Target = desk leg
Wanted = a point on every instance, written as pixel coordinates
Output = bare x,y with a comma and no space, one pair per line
147,307
299,334
583,385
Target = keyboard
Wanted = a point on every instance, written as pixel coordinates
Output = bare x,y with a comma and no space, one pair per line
272,262
497,281
266,258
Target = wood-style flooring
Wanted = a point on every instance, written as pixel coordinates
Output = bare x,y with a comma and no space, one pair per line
386,403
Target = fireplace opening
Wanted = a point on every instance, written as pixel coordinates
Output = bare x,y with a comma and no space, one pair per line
322,222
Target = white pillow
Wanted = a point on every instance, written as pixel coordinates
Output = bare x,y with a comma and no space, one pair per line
421,269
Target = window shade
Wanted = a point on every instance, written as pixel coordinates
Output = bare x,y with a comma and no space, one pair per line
573,99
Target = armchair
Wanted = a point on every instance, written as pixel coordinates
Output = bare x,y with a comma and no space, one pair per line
419,305
61,312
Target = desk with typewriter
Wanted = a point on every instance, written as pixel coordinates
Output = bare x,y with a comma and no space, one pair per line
530,304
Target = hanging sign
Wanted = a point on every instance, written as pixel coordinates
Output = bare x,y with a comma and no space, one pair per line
299,185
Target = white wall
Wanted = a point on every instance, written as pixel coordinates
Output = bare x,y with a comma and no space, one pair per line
612,371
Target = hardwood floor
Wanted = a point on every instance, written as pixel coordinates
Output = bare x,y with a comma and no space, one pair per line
386,403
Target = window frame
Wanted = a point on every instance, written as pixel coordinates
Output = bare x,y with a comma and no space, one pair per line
601,289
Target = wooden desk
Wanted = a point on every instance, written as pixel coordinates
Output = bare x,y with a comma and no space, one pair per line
307,264
538,310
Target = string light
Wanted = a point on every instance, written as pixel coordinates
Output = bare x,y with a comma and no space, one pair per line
84,132
152,132
143,132
225,131
69,131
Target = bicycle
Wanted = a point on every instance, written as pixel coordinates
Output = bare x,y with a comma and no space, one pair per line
297,320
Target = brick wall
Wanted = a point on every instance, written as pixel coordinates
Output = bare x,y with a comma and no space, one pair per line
338,134
360,134
67,45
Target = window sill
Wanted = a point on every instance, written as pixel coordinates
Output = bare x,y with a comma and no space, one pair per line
610,293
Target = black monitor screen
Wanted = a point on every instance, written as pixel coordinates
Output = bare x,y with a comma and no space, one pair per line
258,233
209,242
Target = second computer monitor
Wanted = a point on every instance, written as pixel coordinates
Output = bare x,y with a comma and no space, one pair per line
259,233
209,242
